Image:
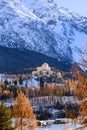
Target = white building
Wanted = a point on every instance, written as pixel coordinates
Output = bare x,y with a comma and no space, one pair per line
44,69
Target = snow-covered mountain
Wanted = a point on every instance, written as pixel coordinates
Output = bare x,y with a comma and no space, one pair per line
40,25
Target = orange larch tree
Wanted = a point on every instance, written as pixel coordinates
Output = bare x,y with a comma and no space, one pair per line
23,112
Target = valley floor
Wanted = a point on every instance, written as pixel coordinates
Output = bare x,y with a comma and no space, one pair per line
68,126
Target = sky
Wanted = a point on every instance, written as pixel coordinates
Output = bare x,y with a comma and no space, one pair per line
78,6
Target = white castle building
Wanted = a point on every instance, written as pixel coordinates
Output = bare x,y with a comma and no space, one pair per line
44,69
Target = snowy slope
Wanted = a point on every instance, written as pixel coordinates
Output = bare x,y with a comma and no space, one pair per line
25,33
42,26
62,20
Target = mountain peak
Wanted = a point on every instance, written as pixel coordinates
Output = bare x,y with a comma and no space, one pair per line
42,27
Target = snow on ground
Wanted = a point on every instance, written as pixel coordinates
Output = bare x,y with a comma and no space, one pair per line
2,77
30,83
49,101
79,43
69,126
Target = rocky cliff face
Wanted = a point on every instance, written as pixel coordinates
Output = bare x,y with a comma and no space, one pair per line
39,25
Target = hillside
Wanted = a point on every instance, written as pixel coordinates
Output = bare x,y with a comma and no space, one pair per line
19,61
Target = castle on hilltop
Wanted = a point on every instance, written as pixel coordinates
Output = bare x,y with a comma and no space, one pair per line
45,70
44,67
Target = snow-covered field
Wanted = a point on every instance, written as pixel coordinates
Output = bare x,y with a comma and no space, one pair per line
68,126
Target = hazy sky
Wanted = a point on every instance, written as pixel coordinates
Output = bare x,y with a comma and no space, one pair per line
78,6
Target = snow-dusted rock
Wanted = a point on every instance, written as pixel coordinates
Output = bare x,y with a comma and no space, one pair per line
42,26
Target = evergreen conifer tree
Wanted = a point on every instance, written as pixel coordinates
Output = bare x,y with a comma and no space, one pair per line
5,118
